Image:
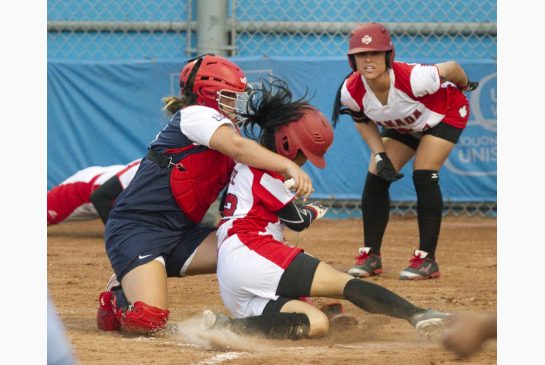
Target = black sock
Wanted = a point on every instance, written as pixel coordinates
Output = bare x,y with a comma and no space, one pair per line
376,299
375,208
429,209
274,325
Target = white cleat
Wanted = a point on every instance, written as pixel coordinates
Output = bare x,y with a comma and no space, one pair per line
215,320
429,323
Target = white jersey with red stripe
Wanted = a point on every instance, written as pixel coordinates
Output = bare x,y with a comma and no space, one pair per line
252,254
69,201
417,100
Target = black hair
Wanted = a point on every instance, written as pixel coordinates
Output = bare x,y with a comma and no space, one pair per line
337,102
388,55
269,107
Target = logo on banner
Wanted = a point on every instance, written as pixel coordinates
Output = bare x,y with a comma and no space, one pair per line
476,151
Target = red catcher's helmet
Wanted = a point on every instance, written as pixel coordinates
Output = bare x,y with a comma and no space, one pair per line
312,134
212,74
370,37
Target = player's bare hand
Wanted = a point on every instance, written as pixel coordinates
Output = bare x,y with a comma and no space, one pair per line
467,332
302,185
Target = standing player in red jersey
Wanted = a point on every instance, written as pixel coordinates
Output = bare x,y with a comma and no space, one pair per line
422,112
260,277
154,231
89,193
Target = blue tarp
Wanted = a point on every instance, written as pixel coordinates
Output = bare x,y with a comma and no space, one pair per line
106,112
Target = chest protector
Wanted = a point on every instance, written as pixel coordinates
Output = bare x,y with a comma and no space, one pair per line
197,185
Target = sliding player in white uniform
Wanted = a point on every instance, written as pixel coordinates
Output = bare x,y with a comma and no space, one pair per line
260,277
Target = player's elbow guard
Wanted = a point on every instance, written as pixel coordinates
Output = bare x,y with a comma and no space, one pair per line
316,209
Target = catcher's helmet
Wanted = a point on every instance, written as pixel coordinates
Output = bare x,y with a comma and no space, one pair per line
370,37
205,76
311,134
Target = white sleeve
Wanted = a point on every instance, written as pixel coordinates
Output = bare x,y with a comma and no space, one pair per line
424,80
347,99
277,189
199,123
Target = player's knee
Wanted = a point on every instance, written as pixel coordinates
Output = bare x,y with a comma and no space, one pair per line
319,324
425,178
143,318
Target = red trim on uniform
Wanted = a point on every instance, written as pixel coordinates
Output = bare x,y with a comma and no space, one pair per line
402,73
129,166
269,248
446,101
355,87
178,150
251,229
64,199
456,103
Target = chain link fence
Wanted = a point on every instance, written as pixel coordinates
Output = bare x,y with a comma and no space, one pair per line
145,29
113,30
341,209
420,29
159,29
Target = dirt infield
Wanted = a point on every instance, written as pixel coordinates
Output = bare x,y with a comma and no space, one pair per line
78,270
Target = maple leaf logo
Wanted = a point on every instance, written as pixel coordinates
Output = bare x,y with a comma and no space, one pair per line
463,111
366,39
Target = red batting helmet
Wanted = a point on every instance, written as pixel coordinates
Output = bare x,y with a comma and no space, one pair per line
206,75
370,37
311,134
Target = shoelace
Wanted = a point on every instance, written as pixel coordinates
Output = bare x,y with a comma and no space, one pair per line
361,258
416,261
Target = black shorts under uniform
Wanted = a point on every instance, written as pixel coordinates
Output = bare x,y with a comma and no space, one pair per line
441,130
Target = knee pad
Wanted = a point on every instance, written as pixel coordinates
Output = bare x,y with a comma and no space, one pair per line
428,192
143,318
423,178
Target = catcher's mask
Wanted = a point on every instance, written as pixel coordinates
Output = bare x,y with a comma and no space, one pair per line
213,81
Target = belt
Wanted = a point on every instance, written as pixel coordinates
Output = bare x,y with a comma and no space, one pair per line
163,161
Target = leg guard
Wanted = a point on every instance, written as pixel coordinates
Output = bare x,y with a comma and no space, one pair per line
376,299
142,318
375,207
429,209
291,326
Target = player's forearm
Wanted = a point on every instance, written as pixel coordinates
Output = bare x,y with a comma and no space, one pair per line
294,218
371,135
251,153
453,72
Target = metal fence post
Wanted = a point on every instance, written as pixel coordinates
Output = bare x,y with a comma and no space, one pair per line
212,31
